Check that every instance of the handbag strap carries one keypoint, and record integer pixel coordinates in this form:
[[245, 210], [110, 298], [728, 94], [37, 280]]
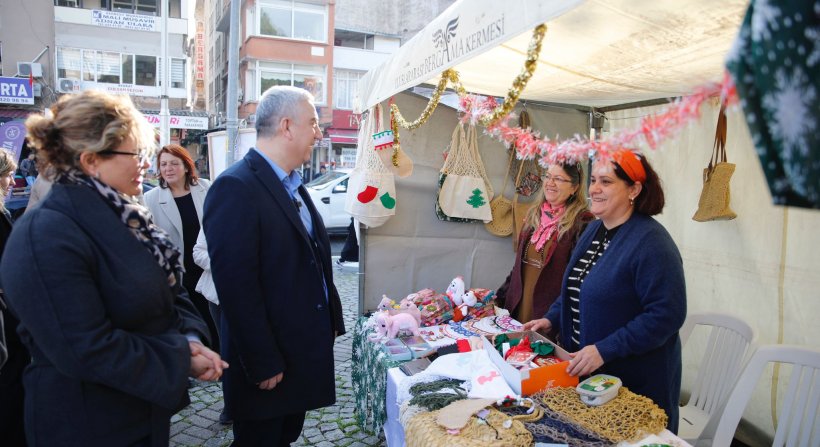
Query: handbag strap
[[507, 175], [517, 179], [478, 164], [719, 148]]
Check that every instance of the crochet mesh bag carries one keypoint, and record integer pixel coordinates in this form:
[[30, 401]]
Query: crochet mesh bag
[[628, 417]]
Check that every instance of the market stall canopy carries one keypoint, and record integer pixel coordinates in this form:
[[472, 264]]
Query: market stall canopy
[[596, 53]]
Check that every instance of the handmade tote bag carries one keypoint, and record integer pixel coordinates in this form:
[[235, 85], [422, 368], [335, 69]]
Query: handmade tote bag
[[714, 198], [465, 191], [371, 197]]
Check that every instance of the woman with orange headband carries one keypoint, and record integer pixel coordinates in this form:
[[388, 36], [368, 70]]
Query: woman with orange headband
[[623, 298]]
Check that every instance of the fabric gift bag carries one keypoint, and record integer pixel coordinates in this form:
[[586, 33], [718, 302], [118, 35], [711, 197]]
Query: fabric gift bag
[[371, 197], [465, 191], [714, 199]]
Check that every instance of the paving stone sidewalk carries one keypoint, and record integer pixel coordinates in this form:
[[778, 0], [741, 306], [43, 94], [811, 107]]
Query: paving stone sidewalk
[[335, 426]]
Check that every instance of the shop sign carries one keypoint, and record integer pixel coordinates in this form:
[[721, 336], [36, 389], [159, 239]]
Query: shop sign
[[348, 157], [16, 91], [199, 70], [450, 43], [111, 19], [180, 122]]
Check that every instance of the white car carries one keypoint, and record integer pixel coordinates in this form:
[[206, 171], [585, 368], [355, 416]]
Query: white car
[[328, 193]]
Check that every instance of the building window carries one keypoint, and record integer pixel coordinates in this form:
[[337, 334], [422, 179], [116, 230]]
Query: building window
[[177, 74], [143, 7], [293, 20], [111, 67], [146, 70], [69, 63], [309, 77], [345, 88]]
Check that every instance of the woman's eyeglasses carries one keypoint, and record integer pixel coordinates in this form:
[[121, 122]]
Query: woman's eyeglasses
[[141, 156], [546, 178]]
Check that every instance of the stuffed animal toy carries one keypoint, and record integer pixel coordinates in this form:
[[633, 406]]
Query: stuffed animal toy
[[455, 291], [469, 298], [388, 326], [407, 307], [386, 303]]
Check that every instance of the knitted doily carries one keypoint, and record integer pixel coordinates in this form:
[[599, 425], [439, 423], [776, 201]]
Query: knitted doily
[[495, 430], [628, 417]]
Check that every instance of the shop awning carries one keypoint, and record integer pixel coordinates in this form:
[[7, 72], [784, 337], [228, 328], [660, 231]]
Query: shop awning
[[14, 114], [343, 136], [595, 52], [179, 119]]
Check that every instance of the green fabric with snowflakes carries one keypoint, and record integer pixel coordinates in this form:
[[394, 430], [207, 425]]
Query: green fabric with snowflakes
[[774, 62], [369, 376]]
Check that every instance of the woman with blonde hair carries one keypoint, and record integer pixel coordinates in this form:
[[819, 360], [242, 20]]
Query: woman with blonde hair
[[551, 229], [96, 286], [13, 355]]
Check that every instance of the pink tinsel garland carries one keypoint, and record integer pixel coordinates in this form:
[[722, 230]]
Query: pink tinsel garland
[[654, 129]]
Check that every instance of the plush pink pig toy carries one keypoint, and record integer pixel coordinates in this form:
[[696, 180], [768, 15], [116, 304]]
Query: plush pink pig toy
[[388, 326]]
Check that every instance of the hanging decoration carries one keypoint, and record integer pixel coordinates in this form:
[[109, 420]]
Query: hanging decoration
[[450, 76], [653, 130]]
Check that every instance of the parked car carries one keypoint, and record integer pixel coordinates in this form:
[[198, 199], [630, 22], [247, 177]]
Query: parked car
[[328, 193]]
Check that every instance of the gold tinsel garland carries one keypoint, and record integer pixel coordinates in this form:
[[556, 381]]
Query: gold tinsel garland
[[451, 76]]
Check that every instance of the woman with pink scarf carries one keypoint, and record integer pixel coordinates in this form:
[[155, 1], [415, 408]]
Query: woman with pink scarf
[[551, 229]]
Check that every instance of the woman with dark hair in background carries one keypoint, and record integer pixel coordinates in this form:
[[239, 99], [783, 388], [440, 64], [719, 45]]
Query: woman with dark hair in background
[[96, 287], [623, 300], [12, 351], [177, 208], [551, 229]]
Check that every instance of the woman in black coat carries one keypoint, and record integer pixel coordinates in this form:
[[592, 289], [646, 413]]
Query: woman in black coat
[[95, 285], [13, 355]]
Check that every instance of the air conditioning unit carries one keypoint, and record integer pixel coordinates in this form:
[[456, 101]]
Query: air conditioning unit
[[30, 68], [68, 85]]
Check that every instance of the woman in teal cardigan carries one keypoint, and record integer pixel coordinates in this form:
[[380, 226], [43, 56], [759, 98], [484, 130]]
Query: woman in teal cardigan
[[623, 298]]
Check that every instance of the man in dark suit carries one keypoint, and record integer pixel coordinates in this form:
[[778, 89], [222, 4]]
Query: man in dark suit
[[270, 260]]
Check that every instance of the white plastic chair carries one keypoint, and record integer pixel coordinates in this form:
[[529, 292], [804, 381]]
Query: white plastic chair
[[726, 351], [797, 421]]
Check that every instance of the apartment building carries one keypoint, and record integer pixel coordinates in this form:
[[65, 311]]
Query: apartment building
[[324, 46]]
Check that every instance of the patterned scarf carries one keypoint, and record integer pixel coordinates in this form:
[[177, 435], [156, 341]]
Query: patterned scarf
[[550, 216], [136, 218]]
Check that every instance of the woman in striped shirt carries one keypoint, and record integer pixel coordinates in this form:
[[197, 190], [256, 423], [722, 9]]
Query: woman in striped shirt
[[623, 298]]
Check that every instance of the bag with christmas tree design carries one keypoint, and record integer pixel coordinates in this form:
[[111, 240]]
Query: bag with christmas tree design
[[465, 191], [371, 197]]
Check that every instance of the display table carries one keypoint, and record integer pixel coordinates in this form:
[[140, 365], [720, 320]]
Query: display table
[[394, 432], [370, 364]]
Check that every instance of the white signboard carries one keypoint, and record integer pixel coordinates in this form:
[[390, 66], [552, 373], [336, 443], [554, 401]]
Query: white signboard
[[181, 122], [218, 148], [348, 157], [111, 19]]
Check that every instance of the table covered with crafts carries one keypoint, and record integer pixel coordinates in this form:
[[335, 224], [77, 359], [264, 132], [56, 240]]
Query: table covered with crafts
[[370, 362]]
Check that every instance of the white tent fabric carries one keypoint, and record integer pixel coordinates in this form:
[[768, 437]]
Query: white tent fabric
[[603, 53], [595, 52]]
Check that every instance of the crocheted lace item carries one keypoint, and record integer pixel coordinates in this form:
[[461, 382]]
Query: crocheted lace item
[[555, 428], [494, 430], [628, 417]]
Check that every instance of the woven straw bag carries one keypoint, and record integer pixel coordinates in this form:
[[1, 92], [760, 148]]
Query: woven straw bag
[[501, 207], [715, 196]]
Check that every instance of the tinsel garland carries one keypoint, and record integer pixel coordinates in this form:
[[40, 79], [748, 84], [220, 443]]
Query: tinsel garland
[[451, 76], [653, 130]]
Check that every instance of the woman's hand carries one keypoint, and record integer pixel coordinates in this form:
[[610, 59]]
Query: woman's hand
[[585, 362], [541, 324], [205, 363]]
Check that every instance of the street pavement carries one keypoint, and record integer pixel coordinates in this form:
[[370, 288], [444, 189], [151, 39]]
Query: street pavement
[[335, 426]]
